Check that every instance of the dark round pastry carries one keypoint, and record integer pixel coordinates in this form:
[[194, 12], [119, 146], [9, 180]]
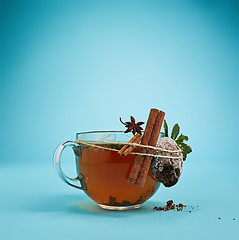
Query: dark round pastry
[[167, 170]]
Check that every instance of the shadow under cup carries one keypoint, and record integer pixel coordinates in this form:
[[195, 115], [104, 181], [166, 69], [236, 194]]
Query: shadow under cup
[[104, 173]]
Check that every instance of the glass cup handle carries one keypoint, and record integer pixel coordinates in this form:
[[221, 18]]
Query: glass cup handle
[[74, 182]]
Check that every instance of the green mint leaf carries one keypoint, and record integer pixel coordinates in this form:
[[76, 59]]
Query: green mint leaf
[[181, 138], [175, 131], [186, 149], [165, 125]]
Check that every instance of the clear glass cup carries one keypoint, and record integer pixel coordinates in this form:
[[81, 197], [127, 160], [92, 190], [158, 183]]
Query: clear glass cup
[[103, 174]]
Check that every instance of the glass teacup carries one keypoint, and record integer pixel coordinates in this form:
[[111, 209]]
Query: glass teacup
[[103, 173]]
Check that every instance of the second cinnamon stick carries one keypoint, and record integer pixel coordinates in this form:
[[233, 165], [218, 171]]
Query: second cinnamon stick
[[132, 140], [131, 148]]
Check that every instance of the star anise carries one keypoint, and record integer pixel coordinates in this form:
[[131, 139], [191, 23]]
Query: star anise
[[132, 126]]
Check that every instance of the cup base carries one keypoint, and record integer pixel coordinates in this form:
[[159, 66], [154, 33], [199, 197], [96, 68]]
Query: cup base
[[118, 208]]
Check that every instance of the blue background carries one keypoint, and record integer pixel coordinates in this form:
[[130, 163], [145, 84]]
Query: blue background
[[71, 66]]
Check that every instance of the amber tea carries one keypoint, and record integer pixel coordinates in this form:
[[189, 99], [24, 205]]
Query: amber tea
[[103, 171], [106, 177]]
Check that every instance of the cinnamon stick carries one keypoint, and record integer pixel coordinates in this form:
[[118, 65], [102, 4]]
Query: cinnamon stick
[[145, 141], [125, 147], [131, 148], [152, 142]]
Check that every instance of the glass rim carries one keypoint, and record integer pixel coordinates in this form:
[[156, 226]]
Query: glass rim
[[108, 131], [89, 132]]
